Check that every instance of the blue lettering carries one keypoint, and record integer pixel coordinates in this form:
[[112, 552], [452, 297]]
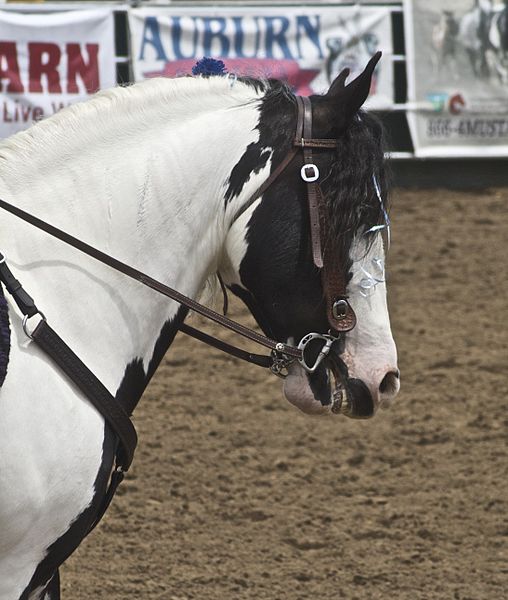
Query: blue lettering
[[277, 37], [152, 36], [312, 31], [240, 39], [217, 33], [176, 36]]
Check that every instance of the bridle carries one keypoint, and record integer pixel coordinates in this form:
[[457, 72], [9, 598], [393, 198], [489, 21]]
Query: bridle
[[340, 315]]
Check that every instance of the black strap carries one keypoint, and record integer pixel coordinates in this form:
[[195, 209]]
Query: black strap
[[313, 191], [24, 301], [112, 411], [258, 359]]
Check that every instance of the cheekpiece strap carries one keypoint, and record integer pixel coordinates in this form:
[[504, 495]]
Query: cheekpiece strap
[[340, 314], [310, 174]]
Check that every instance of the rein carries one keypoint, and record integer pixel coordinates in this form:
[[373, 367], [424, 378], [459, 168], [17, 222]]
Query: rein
[[341, 317]]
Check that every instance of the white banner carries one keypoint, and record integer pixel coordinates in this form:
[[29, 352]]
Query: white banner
[[48, 61], [457, 77], [305, 46]]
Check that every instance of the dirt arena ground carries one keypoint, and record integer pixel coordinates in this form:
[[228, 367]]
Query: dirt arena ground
[[235, 495]]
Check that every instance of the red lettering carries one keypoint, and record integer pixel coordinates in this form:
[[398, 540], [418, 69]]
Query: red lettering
[[9, 68], [89, 72], [37, 51]]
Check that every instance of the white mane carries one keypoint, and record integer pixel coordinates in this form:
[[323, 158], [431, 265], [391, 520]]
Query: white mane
[[119, 112]]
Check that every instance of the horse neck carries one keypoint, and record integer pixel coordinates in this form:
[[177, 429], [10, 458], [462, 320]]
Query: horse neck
[[153, 198]]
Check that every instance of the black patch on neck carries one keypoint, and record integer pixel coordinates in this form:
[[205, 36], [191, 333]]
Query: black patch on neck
[[277, 118], [135, 379]]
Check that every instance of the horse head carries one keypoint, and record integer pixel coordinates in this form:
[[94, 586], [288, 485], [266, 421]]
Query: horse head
[[268, 260]]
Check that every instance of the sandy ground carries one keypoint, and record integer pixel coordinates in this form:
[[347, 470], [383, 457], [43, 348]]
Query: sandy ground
[[234, 494]]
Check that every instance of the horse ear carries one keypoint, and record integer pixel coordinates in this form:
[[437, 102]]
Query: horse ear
[[342, 102], [339, 82]]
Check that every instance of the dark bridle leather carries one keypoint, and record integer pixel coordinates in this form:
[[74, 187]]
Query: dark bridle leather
[[341, 317]]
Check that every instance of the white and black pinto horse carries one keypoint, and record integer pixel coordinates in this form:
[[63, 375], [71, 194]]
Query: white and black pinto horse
[[154, 175]]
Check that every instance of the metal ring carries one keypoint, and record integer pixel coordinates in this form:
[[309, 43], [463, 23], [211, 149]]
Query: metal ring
[[25, 323], [309, 178], [325, 350]]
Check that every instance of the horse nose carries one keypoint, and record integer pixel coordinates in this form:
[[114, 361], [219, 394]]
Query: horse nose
[[389, 387]]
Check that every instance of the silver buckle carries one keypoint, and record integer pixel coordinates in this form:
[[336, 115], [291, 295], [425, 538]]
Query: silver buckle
[[26, 318], [325, 350], [309, 178], [339, 309]]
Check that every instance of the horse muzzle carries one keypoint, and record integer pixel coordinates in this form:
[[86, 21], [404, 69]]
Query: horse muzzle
[[325, 388]]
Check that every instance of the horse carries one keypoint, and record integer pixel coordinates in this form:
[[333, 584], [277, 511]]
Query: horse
[[444, 43], [159, 174]]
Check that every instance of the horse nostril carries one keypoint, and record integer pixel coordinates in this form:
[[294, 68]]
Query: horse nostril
[[390, 383]]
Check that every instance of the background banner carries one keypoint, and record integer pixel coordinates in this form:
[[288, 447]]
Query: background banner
[[307, 47], [48, 61], [457, 76]]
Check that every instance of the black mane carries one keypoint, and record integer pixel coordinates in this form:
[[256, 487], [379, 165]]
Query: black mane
[[348, 185]]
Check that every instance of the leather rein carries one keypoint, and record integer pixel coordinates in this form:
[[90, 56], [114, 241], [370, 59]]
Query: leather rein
[[341, 317]]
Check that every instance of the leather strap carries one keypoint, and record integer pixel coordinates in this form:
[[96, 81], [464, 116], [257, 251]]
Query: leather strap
[[262, 360], [315, 143], [112, 411], [334, 286], [24, 301], [305, 109], [332, 276]]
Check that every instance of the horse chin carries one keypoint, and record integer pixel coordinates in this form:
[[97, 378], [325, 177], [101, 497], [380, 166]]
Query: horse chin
[[328, 391]]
